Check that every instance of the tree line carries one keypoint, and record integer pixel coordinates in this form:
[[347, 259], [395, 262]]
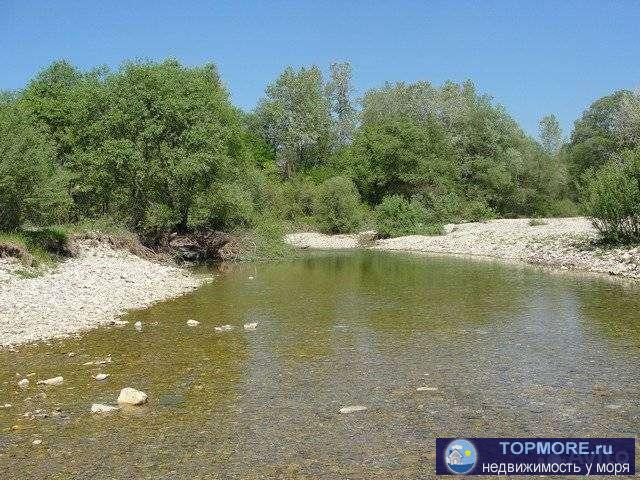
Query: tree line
[[159, 147]]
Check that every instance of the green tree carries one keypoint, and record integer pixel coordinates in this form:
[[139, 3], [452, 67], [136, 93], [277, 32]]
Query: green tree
[[550, 134], [340, 91], [397, 156], [32, 186], [295, 119]]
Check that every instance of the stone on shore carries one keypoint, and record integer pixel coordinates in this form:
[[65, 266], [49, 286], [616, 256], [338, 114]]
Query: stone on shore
[[192, 323], [52, 382], [131, 396], [353, 409], [102, 408]]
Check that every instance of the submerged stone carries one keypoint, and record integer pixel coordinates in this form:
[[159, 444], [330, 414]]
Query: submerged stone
[[427, 389], [52, 382], [353, 409], [101, 408], [192, 323]]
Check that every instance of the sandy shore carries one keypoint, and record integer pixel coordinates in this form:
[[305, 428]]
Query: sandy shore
[[92, 289], [561, 243]]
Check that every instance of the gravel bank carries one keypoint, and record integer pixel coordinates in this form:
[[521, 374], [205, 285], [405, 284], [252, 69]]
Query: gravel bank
[[84, 292], [562, 243]]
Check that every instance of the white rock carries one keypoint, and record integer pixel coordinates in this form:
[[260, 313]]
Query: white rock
[[250, 277], [101, 376], [192, 323], [37, 441], [223, 328], [55, 381], [427, 389], [353, 409], [250, 326], [6, 405], [24, 383], [101, 408], [131, 396], [138, 326]]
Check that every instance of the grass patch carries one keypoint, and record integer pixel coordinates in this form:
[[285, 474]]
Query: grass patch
[[26, 249]]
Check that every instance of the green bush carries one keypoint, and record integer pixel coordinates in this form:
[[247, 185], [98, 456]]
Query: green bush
[[477, 211], [397, 217], [337, 206], [299, 198], [226, 207], [612, 199]]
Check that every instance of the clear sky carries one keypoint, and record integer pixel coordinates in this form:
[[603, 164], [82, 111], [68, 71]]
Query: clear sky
[[534, 57]]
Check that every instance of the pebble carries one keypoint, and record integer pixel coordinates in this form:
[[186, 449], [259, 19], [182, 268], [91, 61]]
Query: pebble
[[223, 328], [131, 396], [427, 389], [353, 409], [24, 383], [55, 381], [37, 441], [101, 376], [52, 305], [102, 408], [138, 326], [192, 323], [250, 326]]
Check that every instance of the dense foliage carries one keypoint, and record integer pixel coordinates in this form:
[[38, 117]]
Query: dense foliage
[[604, 153], [159, 147]]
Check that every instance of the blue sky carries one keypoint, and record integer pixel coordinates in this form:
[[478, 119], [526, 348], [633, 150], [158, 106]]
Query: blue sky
[[533, 57]]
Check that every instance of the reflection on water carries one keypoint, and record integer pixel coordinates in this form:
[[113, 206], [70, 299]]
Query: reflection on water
[[512, 352]]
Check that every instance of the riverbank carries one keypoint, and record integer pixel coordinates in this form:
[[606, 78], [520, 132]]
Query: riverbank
[[92, 289], [560, 243]]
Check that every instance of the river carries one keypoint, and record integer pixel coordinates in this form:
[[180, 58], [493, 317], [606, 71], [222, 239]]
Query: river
[[504, 351]]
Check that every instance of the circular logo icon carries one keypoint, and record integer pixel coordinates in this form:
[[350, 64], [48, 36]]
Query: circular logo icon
[[460, 456]]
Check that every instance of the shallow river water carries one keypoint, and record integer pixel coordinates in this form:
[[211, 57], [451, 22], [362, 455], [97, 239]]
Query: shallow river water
[[512, 351]]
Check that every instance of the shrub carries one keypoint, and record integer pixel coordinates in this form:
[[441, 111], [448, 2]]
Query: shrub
[[396, 217], [225, 207], [337, 206], [612, 199], [299, 198], [477, 211], [562, 208]]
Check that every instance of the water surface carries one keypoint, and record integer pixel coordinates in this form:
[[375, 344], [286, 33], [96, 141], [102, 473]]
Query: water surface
[[512, 352]]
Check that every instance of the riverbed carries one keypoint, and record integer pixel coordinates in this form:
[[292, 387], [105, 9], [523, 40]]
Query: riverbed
[[495, 349]]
